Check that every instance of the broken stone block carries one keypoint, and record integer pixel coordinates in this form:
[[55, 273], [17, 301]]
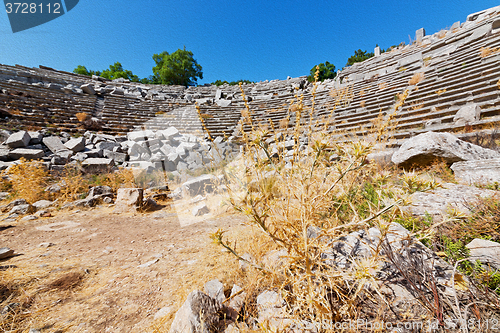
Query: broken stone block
[[128, 200], [18, 140], [486, 251], [199, 185], [35, 137], [426, 148], [117, 157], [467, 114], [29, 154], [481, 172], [54, 143], [76, 145], [97, 165], [140, 135], [88, 88], [200, 210]]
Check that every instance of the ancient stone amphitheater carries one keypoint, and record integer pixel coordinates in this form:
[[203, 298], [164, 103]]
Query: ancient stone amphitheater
[[452, 79]]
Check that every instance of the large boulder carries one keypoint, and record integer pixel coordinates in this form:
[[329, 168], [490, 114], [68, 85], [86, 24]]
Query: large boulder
[[426, 148], [198, 314]]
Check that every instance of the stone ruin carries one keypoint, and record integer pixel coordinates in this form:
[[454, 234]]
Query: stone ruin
[[457, 90], [449, 80]]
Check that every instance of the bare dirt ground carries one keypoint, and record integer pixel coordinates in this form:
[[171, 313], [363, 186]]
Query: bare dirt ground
[[95, 271]]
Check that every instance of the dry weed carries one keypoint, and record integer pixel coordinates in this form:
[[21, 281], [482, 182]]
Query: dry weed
[[82, 116], [29, 179], [382, 85], [416, 78], [362, 104], [487, 51], [342, 96], [440, 92]]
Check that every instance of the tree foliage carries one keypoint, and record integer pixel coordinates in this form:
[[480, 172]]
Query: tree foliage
[[117, 71], [84, 71], [232, 83], [326, 71], [178, 68], [114, 72], [359, 56]]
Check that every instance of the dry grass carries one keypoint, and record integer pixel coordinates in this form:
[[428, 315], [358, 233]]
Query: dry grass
[[440, 92], [416, 105], [487, 51], [28, 180], [416, 79], [382, 85], [441, 34], [285, 194], [82, 116], [362, 104], [361, 92], [343, 96]]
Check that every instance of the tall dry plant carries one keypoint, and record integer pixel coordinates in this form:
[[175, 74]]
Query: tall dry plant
[[320, 186], [28, 179]]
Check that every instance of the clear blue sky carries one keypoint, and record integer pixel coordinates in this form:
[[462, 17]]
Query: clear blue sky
[[232, 40]]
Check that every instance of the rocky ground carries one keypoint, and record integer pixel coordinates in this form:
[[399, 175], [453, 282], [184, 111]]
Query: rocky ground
[[94, 271]]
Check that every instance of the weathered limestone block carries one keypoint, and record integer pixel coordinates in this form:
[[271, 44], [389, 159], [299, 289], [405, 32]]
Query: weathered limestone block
[[140, 135], [451, 196], [35, 137], [128, 200], [97, 165], [485, 251], [18, 140], [29, 154], [54, 143], [76, 145], [427, 147], [199, 185], [467, 114], [482, 172], [88, 88]]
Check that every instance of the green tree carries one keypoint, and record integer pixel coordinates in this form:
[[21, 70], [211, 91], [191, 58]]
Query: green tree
[[178, 68], [116, 71], [326, 71], [232, 83], [359, 56], [84, 71]]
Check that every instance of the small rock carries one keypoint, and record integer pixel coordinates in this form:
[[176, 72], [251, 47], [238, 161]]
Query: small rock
[[485, 251], [45, 245], [29, 218], [215, 289], [163, 312], [5, 253], [200, 210], [149, 263]]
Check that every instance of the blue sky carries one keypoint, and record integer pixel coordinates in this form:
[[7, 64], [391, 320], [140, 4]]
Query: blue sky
[[232, 40]]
